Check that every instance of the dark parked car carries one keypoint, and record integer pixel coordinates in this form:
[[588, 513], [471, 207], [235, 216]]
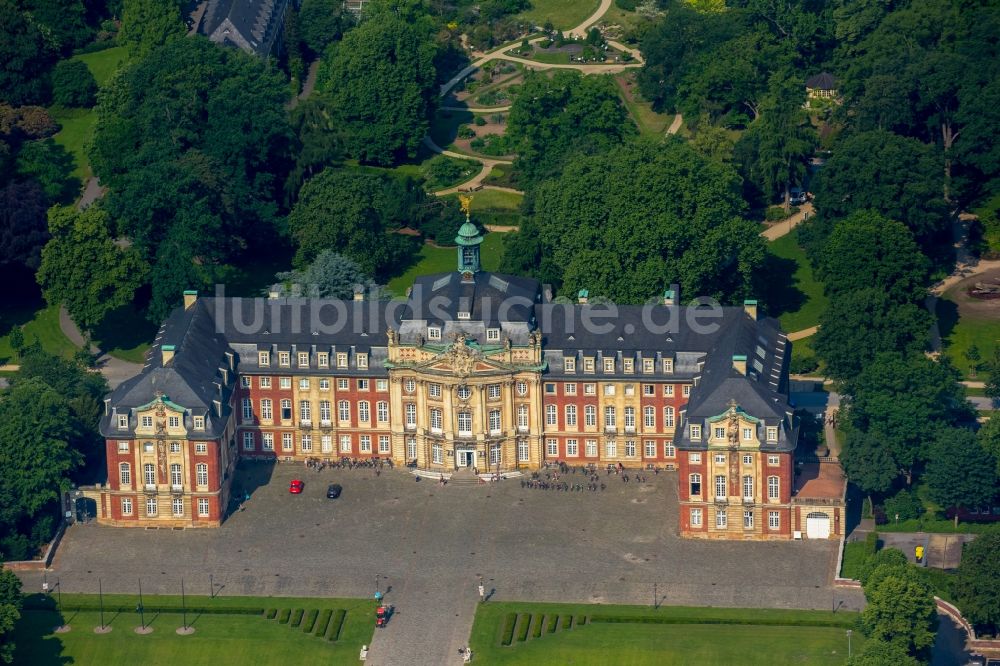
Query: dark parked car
[[796, 196], [333, 491]]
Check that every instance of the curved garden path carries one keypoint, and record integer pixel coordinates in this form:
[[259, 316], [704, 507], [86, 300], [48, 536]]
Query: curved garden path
[[115, 370], [581, 30]]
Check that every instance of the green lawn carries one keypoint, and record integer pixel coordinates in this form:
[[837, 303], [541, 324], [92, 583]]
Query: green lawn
[[443, 259], [961, 326], [668, 635], [649, 122], [564, 14], [103, 64], [494, 200], [42, 325], [854, 557], [795, 296], [549, 58], [219, 639], [987, 214]]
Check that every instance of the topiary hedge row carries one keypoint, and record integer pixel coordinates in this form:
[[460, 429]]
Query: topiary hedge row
[[847, 621], [323, 622], [283, 616], [507, 634], [337, 624], [296, 617], [310, 621], [523, 622]]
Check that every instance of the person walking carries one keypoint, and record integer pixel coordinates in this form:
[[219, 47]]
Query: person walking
[[482, 592]]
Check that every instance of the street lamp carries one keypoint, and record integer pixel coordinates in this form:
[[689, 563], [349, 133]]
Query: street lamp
[[849, 632]]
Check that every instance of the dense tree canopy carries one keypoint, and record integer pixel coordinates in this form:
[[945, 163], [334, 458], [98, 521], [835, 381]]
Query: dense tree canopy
[[23, 227], [901, 611], [24, 58], [330, 275], [149, 24], [381, 81], [627, 223], [84, 270], [73, 84], [50, 165], [881, 653], [10, 611], [960, 471], [322, 22], [977, 586]]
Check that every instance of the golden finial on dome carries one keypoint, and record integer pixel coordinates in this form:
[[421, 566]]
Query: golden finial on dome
[[466, 201]]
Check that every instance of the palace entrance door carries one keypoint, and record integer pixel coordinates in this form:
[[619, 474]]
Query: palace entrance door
[[465, 458]]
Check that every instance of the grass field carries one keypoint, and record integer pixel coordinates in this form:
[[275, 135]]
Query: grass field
[[42, 325], [490, 200], [961, 326], [564, 14], [568, 634], [103, 64], [649, 122], [443, 259], [795, 297], [219, 639]]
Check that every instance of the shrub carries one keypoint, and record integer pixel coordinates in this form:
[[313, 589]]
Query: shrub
[[73, 84], [803, 365], [323, 623], [523, 622], [465, 132], [310, 621], [536, 627], [580, 620], [566, 622], [550, 623], [271, 612], [296, 617], [905, 505], [625, 5], [477, 143], [871, 544], [480, 121], [336, 624], [777, 213], [507, 634], [283, 616]]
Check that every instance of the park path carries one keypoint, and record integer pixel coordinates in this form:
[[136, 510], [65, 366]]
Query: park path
[[785, 226], [676, 125], [476, 181], [581, 30], [477, 109], [115, 370]]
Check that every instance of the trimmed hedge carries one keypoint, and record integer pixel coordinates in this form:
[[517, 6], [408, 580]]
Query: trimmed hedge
[[523, 621], [296, 617], [565, 622], [310, 621], [323, 622], [536, 626], [847, 622], [507, 634], [580, 620], [283, 615], [871, 544], [550, 623], [337, 624], [271, 613], [30, 605]]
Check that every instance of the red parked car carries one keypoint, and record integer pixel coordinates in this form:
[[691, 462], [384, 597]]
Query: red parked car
[[295, 487]]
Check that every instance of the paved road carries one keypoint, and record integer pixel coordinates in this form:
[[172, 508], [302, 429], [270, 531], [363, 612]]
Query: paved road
[[431, 544]]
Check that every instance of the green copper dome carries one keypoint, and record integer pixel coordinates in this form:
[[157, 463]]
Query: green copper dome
[[468, 234]]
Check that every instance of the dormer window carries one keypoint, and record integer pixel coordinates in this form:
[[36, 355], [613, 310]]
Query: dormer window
[[647, 365], [569, 364], [323, 359], [263, 358], [362, 360], [123, 421], [588, 365], [772, 433], [341, 359], [173, 421], [199, 423], [147, 421], [695, 432], [284, 359], [609, 365], [668, 365], [628, 365], [493, 335], [465, 315], [433, 333], [303, 359]]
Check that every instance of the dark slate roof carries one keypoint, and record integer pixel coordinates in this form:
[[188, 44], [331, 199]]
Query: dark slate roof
[[491, 298], [258, 21], [287, 321], [822, 81]]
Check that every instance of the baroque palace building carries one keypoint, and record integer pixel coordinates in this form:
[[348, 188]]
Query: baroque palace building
[[473, 370]]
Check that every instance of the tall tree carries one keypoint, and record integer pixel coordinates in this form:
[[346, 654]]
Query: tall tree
[[10, 611], [961, 473], [867, 250], [882, 653], [62, 22], [322, 22], [24, 58], [23, 229], [48, 163], [150, 24], [330, 275], [381, 81], [977, 585], [989, 439], [901, 611], [84, 270], [869, 465]]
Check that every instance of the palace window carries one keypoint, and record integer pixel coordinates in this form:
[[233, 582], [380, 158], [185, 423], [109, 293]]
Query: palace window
[[123, 446], [772, 460], [748, 487], [773, 520], [550, 389], [345, 443], [433, 333], [361, 360], [522, 417], [668, 417], [175, 447], [126, 506], [569, 389], [199, 422], [284, 359], [173, 421], [267, 441], [203, 507], [245, 381], [341, 359], [362, 384], [342, 384], [465, 424], [464, 392], [436, 420], [437, 454], [323, 359], [149, 474], [266, 412], [630, 448], [177, 505], [284, 382], [590, 415], [628, 365], [382, 411], [325, 443], [695, 431], [364, 411], [147, 447], [411, 447], [647, 365], [410, 411], [719, 458], [151, 507], [263, 359], [201, 474], [304, 383], [383, 444], [772, 434], [493, 391], [123, 421], [747, 434], [590, 389], [648, 390], [572, 449], [748, 460], [721, 519], [493, 335], [303, 359], [175, 474], [495, 454], [551, 419], [570, 415], [668, 365], [630, 418], [720, 486], [434, 390], [125, 474], [306, 443], [591, 449], [588, 365], [521, 387], [748, 519], [609, 389], [695, 517], [494, 419], [650, 448], [611, 448], [201, 448], [694, 458], [305, 411], [686, 390], [248, 441], [772, 488], [286, 410], [247, 409], [569, 364], [551, 448], [265, 382], [610, 419], [522, 451], [668, 450], [719, 433], [343, 411], [609, 365], [668, 390], [324, 411], [365, 443], [147, 421], [381, 384], [409, 385]]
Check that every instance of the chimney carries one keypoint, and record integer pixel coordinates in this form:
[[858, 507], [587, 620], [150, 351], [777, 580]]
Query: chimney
[[190, 297], [582, 297], [740, 363], [750, 307], [274, 291], [167, 352], [359, 292], [668, 297]]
